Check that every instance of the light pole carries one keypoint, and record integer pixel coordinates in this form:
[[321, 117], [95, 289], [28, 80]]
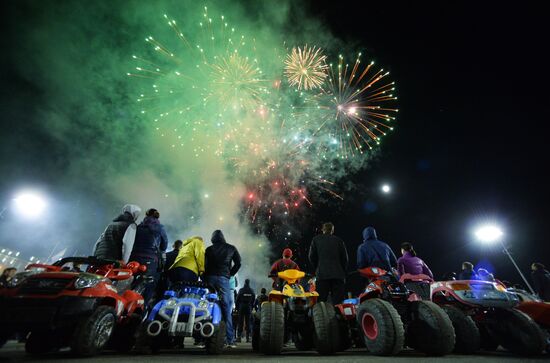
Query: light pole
[[490, 234]]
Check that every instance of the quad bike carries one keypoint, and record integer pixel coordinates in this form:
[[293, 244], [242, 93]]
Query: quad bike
[[387, 316], [537, 309], [295, 313], [62, 306], [484, 315], [188, 309]]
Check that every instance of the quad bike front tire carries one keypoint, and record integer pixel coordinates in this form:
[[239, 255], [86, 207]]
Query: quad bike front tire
[[430, 330], [381, 327], [93, 333], [272, 328], [40, 342], [256, 332], [214, 344], [468, 340], [518, 333], [326, 329]]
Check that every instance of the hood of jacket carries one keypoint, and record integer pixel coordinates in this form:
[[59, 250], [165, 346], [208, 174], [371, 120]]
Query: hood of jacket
[[217, 237], [124, 217], [369, 233], [133, 210]]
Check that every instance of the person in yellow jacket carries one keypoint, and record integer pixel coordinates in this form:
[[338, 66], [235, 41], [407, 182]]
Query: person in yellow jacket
[[189, 263]]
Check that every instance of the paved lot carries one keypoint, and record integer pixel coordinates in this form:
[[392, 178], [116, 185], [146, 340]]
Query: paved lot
[[13, 352]]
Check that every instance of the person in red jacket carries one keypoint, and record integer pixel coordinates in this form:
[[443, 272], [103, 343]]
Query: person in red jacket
[[282, 264]]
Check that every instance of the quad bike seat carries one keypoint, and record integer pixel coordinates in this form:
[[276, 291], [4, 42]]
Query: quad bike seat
[[291, 276]]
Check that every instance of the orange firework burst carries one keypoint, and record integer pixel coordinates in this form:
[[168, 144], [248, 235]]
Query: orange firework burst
[[306, 68]]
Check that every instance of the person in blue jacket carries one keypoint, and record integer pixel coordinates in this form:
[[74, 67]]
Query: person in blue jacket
[[150, 244], [375, 253]]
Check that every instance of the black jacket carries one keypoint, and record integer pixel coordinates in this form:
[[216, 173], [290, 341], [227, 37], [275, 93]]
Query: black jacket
[[329, 256], [541, 282], [109, 244], [170, 258], [245, 298], [219, 256]]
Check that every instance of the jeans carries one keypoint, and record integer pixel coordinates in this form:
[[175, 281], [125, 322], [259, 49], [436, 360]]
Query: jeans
[[221, 283], [152, 270], [335, 287]]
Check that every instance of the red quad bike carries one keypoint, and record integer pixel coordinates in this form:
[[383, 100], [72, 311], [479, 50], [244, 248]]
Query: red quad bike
[[60, 305], [484, 316], [388, 316]]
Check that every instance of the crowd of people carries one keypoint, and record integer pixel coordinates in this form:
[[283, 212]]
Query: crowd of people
[[217, 265]]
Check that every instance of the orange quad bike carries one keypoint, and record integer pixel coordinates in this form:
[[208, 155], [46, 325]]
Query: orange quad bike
[[388, 316], [81, 302], [486, 315], [295, 313]]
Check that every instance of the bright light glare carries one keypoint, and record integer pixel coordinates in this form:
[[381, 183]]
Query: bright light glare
[[29, 205], [386, 188], [488, 233]]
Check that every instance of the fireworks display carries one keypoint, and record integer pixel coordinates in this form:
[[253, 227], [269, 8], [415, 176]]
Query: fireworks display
[[287, 141], [306, 68]]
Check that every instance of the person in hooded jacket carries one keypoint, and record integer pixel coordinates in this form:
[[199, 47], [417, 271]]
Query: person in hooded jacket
[[375, 253], [222, 261], [150, 243], [245, 303], [110, 245], [189, 263], [409, 263]]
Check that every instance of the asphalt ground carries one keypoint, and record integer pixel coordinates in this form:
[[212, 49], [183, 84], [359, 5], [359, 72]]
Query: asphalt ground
[[15, 352]]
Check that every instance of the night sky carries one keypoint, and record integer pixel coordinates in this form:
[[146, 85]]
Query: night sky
[[469, 147]]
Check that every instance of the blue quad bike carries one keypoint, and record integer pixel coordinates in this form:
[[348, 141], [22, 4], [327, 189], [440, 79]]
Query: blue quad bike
[[187, 310]]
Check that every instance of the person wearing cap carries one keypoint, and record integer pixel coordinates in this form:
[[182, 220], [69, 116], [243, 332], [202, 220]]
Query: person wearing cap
[[329, 257], [280, 265], [115, 243]]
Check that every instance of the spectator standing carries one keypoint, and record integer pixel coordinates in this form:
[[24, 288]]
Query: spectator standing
[[115, 243], [222, 262], [189, 263], [541, 280], [245, 303], [150, 243], [329, 257]]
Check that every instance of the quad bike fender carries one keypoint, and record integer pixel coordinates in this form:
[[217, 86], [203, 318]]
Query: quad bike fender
[[135, 302], [276, 296], [371, 291]]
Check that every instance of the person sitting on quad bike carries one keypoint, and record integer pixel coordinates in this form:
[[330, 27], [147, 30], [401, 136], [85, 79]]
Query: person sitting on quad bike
[[409, 263], [281, 265], [375, 253], [189, 263], [468, 272]]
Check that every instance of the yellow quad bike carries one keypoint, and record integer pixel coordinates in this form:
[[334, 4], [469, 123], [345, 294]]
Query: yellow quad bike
[[295, 313]]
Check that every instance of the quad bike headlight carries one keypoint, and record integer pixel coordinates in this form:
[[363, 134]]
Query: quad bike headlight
[[171, 303], [85, 281]]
